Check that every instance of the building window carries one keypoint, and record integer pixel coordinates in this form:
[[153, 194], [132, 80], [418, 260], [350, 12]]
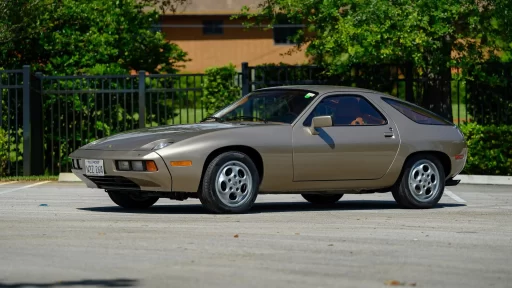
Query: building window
[[157, 27], [284, 30], [212, 27]]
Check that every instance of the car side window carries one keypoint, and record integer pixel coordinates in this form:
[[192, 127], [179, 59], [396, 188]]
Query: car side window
[[416, 113], [347, 110]]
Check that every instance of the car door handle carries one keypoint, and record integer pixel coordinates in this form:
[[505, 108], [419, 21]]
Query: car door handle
[[388, 134]]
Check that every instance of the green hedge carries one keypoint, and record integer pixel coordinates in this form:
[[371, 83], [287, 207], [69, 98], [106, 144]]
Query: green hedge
[[220, 88], [490, 149]]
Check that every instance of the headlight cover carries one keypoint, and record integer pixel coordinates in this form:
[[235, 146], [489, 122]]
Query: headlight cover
[[161, 145]]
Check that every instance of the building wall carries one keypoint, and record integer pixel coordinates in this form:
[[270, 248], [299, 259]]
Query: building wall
[[235, 45]]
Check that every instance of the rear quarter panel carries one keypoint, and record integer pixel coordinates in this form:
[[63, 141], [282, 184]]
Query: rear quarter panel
[[272, 142], [417, 137]]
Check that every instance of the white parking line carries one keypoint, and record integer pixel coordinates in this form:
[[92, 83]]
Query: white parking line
[[6, 183], [23, 187], [453, 196]]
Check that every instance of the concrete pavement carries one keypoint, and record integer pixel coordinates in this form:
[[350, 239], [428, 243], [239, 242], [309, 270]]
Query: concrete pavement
[[63, 235]]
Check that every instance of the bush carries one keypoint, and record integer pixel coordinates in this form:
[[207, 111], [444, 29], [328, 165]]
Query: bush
[[219, 88], [490, 149]]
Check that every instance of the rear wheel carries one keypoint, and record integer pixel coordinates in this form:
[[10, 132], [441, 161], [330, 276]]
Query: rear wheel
[[322, 199], [230, 184], [132, 200], [422, 182]]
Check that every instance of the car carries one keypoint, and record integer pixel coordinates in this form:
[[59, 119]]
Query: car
[[315, 140]]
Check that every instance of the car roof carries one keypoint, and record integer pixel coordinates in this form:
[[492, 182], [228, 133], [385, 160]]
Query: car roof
[[327, 88]]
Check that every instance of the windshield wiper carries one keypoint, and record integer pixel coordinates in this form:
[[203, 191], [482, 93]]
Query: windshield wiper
[[242, 117], [217, 119]]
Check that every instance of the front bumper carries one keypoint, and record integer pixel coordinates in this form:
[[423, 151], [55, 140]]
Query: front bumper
[[160, 180]]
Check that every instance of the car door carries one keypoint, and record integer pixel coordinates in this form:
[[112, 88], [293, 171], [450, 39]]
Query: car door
[[361, 144]]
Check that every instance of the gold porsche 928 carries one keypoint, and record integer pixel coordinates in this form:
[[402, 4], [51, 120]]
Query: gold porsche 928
[[317, 141]]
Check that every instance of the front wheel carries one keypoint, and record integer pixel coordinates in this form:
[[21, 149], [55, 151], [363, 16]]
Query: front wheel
[[230, 184], [422, 183], [132, 201], [322, 199]]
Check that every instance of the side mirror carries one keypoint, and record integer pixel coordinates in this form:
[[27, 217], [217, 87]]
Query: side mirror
[[319, 122]]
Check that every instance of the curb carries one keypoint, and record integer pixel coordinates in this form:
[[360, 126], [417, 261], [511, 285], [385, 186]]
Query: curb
[[464, 179], [68, 177], [484, 179]]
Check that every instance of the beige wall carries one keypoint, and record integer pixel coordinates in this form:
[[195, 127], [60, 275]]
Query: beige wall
[[235, 45]]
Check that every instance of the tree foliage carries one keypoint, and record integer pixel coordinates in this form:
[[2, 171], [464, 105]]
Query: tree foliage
[[219, 88], [86, 36], [14, 13], [433, 36], [98, 37]]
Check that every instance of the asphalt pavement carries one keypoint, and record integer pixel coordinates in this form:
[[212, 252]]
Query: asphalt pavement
[[64, 235]]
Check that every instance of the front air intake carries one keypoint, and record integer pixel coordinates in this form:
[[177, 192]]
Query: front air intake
[[113, 182]]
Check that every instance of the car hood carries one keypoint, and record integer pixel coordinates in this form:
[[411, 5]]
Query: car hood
[[147, 138]]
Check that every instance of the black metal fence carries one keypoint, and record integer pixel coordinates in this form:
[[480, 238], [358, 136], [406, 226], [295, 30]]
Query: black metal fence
[[11, 123], [80, 109], [44, 118], [484, 101]]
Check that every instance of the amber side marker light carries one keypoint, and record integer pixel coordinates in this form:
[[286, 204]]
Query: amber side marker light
[[181, 163], [151, 166]]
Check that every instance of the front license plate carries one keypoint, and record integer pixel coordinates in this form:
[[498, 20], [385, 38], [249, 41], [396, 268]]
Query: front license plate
[[94, 168]]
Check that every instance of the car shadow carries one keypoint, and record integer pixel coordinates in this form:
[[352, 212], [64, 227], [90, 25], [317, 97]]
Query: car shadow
[[269, 207], [95, 283], [326, 137]]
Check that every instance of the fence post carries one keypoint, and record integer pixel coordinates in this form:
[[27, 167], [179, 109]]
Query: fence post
[[37, 126], [27, 129], [245, 78], [142, 99]]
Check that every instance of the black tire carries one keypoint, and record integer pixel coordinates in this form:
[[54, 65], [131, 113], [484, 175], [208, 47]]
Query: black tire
[[398, 201], [321, 199], [405, 196], [209, 194], [130, 201]]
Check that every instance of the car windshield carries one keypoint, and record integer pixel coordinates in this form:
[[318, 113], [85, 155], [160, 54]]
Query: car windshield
[[278, 105]]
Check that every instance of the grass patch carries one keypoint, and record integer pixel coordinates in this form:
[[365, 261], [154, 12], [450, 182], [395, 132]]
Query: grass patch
[[28, 178], [460, 113]]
